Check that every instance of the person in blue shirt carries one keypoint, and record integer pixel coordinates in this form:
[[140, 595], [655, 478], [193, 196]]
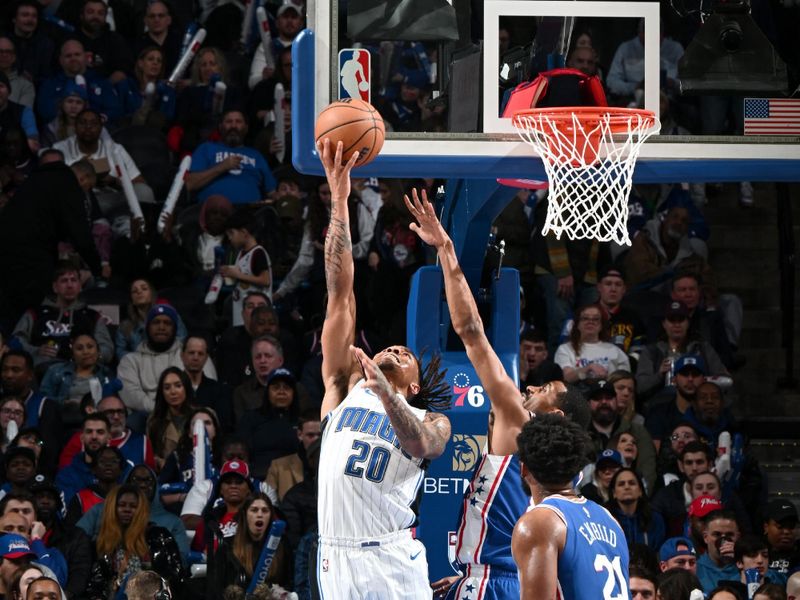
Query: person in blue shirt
[[159, 108], [718, 564], [566, 546], [101, 94], [78, 474], [228, 167], [752, 552]]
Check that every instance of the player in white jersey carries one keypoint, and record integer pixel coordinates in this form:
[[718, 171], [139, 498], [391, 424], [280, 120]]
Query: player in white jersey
[[495, 499], [377, 437]]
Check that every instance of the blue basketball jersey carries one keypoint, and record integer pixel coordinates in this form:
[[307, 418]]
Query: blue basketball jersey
[[594, 563]]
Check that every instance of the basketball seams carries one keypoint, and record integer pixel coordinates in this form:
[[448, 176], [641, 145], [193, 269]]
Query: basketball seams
[[346, 121]]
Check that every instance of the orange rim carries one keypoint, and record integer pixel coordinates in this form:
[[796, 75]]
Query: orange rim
[[618, 118]]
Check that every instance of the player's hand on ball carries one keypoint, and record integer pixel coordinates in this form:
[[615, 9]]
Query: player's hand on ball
[[338, 174], [428, 227], [375, 379]]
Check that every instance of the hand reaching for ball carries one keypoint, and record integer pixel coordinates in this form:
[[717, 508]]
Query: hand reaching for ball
[[338, 174]]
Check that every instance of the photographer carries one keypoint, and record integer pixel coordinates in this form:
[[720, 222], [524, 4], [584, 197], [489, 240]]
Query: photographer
[[720, 536]]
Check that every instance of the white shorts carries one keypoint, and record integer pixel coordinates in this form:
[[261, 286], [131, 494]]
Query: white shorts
[[392, 567]]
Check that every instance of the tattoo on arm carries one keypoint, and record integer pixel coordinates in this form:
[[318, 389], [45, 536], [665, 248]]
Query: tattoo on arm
[[422, 439], [337, 244]]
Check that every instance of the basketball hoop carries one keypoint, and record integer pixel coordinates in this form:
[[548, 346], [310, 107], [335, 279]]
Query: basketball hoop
[[589, 153]]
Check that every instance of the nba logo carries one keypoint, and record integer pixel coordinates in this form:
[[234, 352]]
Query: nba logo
[[354, 74]]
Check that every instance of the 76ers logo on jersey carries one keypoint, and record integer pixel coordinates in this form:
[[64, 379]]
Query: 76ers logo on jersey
[[354, 74], [463, 390], [467, 451]]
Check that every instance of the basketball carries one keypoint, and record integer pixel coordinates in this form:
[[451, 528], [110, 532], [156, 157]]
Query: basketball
[[356, 124]]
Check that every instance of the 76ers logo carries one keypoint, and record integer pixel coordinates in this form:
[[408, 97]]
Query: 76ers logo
[[462, 389]]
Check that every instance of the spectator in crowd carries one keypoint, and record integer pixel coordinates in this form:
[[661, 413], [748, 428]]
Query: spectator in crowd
[[287, 471], [19, 514], [228, 167], [71, 102], [16, 111], [751, 552], [677, 584], [535, 368], [22, 580], [793, 586], [207, 392], [131, 330], [20, 469], [642, 583], [45, 331], [179, 470], [16, 555], [235, 560], [678, 553], [110, 54], [673, 500], [630, 507], [156, 108], [78, 474], [34, 48], [626, 330], [11, 409], [583, 58], [159, 33], [270, 429], [235, 344], [779, 527], [288, 24], [128, 543], [44, 587], [608, 463], [107, 470], [588, 355], [73, 61], [718, 563], [174, 404], [658, 361], [71, 541], [698, 509], [708, 414], [142, 477], [770, 591], [252, 268], [266, 356], [625, 387], [105, 155], [689, 373], [46, 209], [147, 585], [29, 437], [681, 434], [68, 382], [17, 375], [606, 424], [140, 371]]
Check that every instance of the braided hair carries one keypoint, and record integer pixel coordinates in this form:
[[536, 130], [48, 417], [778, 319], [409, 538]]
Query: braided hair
[[434, 392]]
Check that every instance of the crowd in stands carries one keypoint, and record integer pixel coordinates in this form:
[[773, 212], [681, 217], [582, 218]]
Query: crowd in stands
[[120, 332]]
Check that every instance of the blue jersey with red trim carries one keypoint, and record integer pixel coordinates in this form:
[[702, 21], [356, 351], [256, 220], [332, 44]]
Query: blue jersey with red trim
[[492, 505], [594, 562]]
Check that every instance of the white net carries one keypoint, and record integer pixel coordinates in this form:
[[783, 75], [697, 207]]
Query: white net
[[589, 165]]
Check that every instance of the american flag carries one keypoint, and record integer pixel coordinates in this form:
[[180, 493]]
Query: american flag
[[772, 116]]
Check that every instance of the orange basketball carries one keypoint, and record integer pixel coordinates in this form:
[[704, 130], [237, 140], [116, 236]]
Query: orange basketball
[[356, 124]]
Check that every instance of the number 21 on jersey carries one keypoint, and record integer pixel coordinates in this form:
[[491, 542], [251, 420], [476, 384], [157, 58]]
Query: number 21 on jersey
[[615, 579]]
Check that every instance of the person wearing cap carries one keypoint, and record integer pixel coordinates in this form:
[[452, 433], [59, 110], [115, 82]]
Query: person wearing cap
[[72, 100], [140, 370], [288, 24], [626, 330], [606, 424], [15, 553], [780, 523], [665, 416], [718, 563], [270, 430], [599, 476], [71, 541], [20, 469], [657, 361], [44, 331], [17, 116], [677, 553], [22, 90]]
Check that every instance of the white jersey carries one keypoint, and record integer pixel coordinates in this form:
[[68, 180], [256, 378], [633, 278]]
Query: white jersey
[[368, 486], [244, 262]]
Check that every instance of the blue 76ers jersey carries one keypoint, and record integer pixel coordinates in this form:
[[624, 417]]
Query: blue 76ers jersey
[[595, 556]]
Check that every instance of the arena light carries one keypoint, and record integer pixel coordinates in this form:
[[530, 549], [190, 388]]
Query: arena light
[[731, 55]]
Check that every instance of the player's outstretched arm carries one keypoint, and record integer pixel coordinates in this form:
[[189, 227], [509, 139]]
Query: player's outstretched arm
[[535, 544], [506, 400], [340, 318], [421, 439]]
